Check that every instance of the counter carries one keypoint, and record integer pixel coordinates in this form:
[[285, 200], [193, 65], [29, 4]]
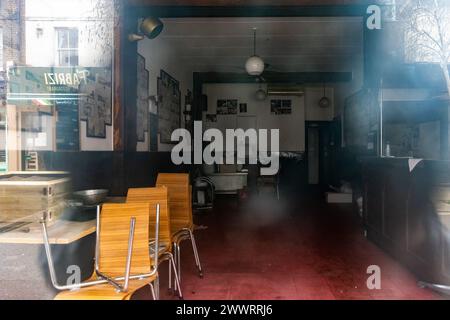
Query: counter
[[406, 212]]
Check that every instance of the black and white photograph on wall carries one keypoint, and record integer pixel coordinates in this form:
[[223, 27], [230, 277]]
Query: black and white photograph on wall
[[211, 118], [222, 106], [279, 106], [225, 107], [242, 108]]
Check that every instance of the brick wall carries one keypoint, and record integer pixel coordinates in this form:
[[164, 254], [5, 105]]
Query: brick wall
[[11, 22]]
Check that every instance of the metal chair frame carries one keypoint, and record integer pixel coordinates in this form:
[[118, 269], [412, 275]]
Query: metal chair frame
[[104, 278]]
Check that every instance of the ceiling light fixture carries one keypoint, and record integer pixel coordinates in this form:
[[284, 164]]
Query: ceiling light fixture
[[254, 65], [324, 102], [261, 94]]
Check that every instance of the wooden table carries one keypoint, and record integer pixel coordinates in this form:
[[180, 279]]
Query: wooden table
[[24, 272], [61, 232]]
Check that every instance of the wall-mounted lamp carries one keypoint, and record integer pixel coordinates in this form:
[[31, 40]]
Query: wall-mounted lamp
[[39, 32], [150, 27]]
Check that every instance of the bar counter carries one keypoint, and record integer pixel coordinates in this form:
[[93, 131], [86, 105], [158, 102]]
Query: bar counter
[[406, 211]]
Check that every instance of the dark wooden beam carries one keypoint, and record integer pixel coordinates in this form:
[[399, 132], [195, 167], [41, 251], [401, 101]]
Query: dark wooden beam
[[275, 77], [227, 3], [118, 110], [129, 82], [248, 11]]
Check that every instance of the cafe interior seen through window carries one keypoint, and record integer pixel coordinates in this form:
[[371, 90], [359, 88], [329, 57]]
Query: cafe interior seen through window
[[274, 138]]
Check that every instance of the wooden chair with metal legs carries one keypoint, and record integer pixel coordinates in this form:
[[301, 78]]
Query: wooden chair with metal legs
[[181, 222], [155, 196], [123, 263]]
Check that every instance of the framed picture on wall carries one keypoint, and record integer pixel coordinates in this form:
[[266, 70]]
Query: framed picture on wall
[[153, 131], [211, 118], [227, 106], [169, 109], [142, 103], [95, 107], [280, 107], [222, 106]]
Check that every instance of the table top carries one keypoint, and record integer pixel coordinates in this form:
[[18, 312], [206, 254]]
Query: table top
[[61, 232]]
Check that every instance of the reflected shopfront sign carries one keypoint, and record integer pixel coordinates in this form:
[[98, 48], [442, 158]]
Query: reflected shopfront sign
[[70, 95]]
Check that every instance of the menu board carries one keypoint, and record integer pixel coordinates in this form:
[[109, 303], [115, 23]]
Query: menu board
[[67, 128]]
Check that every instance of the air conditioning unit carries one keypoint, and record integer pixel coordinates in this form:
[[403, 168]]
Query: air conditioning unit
[[285, 90]]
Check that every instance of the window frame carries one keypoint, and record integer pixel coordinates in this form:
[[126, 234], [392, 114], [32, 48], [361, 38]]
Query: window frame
[[68, 48]]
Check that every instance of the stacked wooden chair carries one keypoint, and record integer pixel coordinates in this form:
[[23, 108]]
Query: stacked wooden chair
[[181, 222], [123, 264], [154, 197]]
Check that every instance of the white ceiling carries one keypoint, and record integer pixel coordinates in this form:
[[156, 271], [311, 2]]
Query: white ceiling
[[287, 44]]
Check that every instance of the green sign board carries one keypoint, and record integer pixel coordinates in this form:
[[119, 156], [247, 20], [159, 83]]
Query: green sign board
[[74, 93]]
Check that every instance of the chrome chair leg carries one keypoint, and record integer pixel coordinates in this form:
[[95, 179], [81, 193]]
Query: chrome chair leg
[[194, 249], [177, 282], [170, 274], [436, 287], [179, 262], [176, 268], [152, 290], [157, 288]]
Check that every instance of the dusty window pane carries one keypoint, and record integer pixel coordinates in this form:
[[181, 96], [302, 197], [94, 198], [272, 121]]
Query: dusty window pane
[[63, 38]]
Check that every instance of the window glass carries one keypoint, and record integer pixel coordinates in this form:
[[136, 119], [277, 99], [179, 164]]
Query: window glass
[[57, 57]]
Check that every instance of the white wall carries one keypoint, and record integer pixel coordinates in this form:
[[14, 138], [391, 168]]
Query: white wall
[[291, 126], [159, 56], [95, 30], [95, 49]]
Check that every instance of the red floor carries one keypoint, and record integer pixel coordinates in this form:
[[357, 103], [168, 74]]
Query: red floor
[[264, 249]]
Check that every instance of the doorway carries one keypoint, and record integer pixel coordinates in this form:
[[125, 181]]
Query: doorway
[[319, 145]]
